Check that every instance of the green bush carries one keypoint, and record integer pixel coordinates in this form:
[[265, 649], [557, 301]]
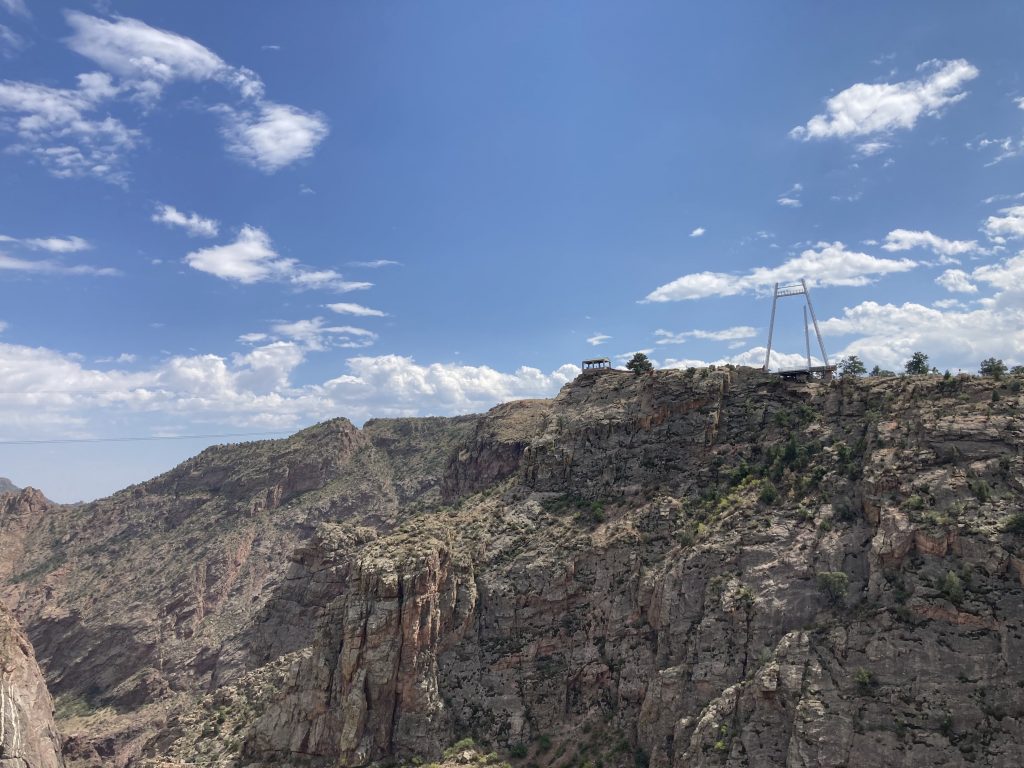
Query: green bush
[[769, 493], [864, 679], [834, 584], [952, 587], [518, 751], [1015, 524]]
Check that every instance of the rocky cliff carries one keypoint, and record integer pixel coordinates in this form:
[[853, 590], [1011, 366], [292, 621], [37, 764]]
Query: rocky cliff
[[28, 737], [705, 567]]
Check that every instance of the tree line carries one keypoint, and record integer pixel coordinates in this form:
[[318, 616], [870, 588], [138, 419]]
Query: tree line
[[918, 365]]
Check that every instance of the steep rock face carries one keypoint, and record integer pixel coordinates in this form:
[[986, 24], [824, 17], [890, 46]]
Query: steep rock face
[[689, 568], [154, 595], [28, 737]]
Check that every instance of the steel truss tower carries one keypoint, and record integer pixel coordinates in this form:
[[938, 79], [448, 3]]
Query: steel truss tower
[[797, 289]]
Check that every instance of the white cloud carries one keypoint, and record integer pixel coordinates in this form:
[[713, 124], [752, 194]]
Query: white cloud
[[57, 128], [50, 267], [598, 339], [53, 127], [272, 136], [71, 244], [148, 59], [50, 393], [375, 264], [872, 148], [905, 240], [889, 334], [1007, 276], [726, 334], [830, 264], [251, 258], [1007, 148], [698, 232], [1007, 227], [327, 280], [867, 108], [252, 338], [956, 281], [3, 326], [316, 335], [791, 197], [193, 223], [345, 308]]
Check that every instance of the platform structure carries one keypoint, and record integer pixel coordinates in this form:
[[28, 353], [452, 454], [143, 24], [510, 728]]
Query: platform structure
[[597, 364], [824, 371]]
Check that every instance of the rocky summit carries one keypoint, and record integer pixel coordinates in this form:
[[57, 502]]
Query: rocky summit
[[706, 567]]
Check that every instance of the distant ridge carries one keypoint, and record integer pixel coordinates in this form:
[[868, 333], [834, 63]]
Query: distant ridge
[[6, 486]]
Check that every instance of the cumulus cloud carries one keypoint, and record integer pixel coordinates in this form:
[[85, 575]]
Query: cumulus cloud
[[827, 264], [597, 339], [194, 224], [956, 281], [905, 240], [868, 108], [345, 308], [1009, 226], [889, 333], [273, 135], [251, 258], [49, 392], [698, 232], [735, 333]]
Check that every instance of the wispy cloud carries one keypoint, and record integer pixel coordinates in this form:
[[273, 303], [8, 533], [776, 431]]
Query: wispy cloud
[[71, 244], [791, 197], [345, 308], [736, 333], [698, 232], [868, 108], [377, 264], [597, 339]]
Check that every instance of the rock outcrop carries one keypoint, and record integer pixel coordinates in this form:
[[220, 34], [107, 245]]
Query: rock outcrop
[[28, 737], [689, 568]]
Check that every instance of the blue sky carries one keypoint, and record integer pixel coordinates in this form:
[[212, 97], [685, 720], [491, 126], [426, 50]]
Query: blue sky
[[248, 220]]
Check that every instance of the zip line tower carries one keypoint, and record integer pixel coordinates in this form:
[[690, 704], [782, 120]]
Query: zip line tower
[[799, 289]]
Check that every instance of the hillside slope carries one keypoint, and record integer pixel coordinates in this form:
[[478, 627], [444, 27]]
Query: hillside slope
[[689, 568]]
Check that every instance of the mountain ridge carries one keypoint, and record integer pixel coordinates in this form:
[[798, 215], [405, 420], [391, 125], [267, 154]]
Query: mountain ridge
[[708, 567]]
